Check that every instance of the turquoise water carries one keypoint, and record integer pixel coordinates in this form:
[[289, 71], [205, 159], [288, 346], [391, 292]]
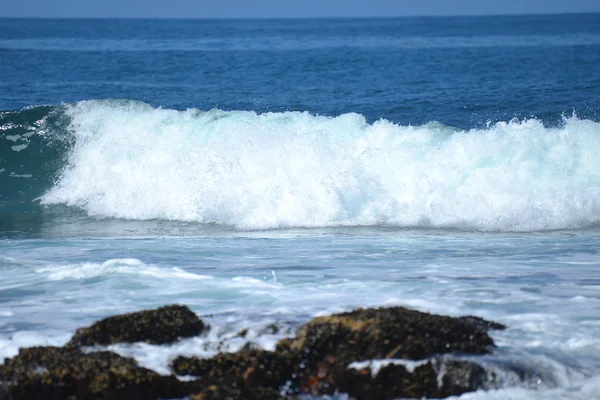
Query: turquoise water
[[270, 171]]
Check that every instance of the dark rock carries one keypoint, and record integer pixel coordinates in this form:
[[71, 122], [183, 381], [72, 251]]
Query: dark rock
[[249, 374], [271, 329], [67, 373], [261, 374], [215, 392], [250, 368], [382, 333], [162, 325], [329, 344], [242, 333], [482, 323], [315, 362], [458, 377], [439, 378], [391, 382]]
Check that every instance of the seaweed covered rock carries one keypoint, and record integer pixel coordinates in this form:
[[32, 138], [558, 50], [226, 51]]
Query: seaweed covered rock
[[394, 332], [67, 373], [162, 325]]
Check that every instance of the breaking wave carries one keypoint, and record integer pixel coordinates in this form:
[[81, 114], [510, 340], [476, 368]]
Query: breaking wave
[[125, 159]]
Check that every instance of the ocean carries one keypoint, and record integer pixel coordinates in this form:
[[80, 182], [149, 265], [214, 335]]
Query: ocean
[[268, 171]]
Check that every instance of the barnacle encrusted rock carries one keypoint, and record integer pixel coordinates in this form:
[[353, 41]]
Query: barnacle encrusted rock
[[162, 325], [392, 381], [394, 332], [68, 373], [249, 369], [316, 361], [214, 392], [438, 378]]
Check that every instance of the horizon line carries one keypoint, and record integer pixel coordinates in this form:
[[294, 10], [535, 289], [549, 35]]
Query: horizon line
[[182, 18]]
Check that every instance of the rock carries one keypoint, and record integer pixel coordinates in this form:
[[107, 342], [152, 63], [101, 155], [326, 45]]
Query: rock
[[439, 378], [329, 344], [66, 373], [271, 329], [392, 381], [383, 333], [162, 325], [316, 361], [482, 323], [458, 376], [249, 369], [259, 374], [215, 392], [249, 374]]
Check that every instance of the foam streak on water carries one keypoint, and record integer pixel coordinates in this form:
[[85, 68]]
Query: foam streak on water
[[279, 170]]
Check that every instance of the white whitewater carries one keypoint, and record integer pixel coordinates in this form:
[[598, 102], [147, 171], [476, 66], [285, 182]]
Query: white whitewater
[[293, 169]]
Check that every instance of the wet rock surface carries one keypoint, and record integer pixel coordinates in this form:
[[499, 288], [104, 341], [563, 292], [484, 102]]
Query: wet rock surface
[[482, 323], [252, 368], [215, 392], [162, 325], [438, 378], [68, 373], [249, 371], [391, 382], [315, 362], [394, 332], [457, 376]]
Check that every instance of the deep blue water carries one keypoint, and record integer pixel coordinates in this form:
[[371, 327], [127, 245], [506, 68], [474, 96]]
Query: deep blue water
[[459, 71], [267, 171]]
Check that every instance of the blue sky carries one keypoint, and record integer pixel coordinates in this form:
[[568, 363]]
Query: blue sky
[[284, 8]]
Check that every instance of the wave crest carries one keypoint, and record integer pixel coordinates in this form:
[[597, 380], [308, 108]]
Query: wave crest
[[294, 169]]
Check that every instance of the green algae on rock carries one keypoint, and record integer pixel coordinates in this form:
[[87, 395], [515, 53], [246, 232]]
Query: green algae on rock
[[159, 326]]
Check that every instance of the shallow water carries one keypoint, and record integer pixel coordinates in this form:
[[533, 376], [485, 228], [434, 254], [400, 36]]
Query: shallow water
[[540, 285]]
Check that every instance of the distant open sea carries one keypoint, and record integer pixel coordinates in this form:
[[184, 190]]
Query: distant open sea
[[268, 171]]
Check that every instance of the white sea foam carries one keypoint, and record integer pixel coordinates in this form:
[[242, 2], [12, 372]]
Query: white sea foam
[[219, 339], [115, 266], [9, 347], [377, 365], [276, 170], [588, 390], [19, 147]]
